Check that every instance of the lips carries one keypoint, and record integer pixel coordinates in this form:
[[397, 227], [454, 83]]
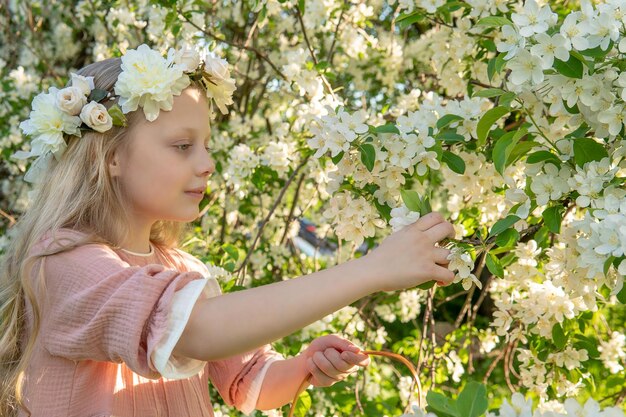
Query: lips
[[196, 192]]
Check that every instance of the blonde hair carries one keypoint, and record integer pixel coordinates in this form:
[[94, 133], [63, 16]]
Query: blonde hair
[[79, 194]]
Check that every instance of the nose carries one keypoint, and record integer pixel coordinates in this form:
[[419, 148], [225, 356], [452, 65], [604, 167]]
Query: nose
[[207, 164]]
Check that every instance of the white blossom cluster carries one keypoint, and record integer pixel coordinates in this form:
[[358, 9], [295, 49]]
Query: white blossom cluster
[[462, 264], [241, 164], [354, 218], [518, 406], [530, 50]]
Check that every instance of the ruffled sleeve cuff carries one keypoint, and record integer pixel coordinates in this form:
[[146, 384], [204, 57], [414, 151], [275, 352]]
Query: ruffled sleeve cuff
[[255, 388], [183, 301]]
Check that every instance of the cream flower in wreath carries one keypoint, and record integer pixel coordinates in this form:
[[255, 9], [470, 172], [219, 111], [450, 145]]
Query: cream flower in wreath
[[95, 116], [47, 123], [220, 86], [150, 81]]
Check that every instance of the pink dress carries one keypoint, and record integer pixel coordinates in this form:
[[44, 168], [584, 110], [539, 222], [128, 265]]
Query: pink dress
[[110, 321]]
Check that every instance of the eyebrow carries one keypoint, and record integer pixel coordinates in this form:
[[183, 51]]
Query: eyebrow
[[193, 131]]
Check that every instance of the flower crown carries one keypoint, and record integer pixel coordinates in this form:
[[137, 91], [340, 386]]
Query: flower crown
[[147, 79]]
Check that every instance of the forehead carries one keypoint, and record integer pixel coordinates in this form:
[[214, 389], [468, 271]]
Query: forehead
[[189, 114]]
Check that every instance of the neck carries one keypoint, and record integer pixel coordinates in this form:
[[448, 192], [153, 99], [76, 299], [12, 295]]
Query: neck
[[138, 240]]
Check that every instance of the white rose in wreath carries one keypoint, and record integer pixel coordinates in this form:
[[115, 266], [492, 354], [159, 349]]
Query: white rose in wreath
[[95, 116], [71, 100]]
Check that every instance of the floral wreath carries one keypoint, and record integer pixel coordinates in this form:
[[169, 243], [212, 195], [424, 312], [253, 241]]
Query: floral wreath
[[147, 79]]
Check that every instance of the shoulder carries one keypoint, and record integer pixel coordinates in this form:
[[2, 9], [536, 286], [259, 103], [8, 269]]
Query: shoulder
[[191, 262], [67, 249]]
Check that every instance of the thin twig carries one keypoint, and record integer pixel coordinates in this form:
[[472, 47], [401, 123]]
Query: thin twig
[[267, 218], [226, 41], [290, 217], [8, 216], [332, 45], [308, 44]]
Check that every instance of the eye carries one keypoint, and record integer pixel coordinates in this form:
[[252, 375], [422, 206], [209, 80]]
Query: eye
[[186, 145]]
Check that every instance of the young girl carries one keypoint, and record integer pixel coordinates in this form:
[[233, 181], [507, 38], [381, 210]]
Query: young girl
[[102, 314]]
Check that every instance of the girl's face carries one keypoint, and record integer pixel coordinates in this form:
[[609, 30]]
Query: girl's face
[[165, 160]]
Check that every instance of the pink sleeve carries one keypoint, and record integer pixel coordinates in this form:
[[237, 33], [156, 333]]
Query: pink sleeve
[[99, 308], [238, 379]]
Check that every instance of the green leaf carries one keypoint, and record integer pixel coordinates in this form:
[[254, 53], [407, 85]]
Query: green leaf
[[485, 123], [229, 266], [558, 336], [552, 217], [301, 6], [495, 65], [447, 119], [587, 343], [520, 150], [368, 156], [597, 52], [504, 147], [303, 405], [541, 156], [503, 224], [587, 150], [337, 158], [506, 98], [97, 95], [501, 151], [231, 250], [489, 92], [472, 401], [388, 128], [408, 19], [450, 136], [322, 65], [494, 21], [494, 265], [455, 162], [607, 264], [507, 238], [442, 405], [621, 295], [581, 58], [117, 116], [573, 68], [411, 200], [427, 285]]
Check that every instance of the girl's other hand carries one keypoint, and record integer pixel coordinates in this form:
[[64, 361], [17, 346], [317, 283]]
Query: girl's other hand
[[411, 257], [330, 359]]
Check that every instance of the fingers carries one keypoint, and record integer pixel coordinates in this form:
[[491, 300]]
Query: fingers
[[440, 231], [339, 363], [323, 371], [442, 275], [335, 341], [431, 219], [331, 366], [441, 256], [359, 359]]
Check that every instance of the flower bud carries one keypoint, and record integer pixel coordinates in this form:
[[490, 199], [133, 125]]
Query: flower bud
[[84, 83]]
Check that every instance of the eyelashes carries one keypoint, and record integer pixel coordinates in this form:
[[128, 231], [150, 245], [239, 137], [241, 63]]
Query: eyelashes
[[188, 145]]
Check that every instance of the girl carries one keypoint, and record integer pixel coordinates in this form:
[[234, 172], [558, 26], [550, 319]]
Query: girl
[[103, 315]]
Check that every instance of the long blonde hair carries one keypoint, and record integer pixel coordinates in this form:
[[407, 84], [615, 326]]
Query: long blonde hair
[[79, 194]]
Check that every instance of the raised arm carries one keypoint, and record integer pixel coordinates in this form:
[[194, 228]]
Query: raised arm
[[238, 322]]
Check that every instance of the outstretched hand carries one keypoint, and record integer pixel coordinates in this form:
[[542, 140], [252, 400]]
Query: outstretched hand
[[412, 256], [331, 359]]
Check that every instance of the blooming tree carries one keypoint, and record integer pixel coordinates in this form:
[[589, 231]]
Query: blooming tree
[[508, 116]]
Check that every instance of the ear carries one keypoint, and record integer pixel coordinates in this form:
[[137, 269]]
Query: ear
[[115, 167]]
